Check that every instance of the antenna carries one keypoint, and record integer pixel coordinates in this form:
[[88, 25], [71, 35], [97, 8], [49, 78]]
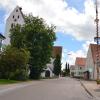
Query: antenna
[[97, 23]]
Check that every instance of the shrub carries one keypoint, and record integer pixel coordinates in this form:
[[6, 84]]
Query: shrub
[[98, 81], [13, 63]]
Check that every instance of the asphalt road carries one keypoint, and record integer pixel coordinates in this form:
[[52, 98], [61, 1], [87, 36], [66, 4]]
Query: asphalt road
[[52, 89]]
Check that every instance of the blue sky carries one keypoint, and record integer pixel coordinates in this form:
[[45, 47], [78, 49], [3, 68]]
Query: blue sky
[[2, 24], [68, 42], [78, 4], [72, 17]]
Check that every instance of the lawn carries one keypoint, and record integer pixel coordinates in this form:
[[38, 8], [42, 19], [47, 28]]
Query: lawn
[[5, 81]]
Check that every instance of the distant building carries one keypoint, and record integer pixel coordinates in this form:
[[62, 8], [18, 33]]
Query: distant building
[[16, 17], [1, 40], [91, 62], [79, 67], [48, 72]]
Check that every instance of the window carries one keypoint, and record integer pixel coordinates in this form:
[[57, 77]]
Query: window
[[15, 20], [18, 16], [80, 67], [80, 73], [13, 16], [17, 10]]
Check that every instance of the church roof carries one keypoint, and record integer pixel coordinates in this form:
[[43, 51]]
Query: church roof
[[57, 50]]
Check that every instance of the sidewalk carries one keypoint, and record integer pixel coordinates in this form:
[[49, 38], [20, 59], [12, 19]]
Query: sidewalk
[[92, 88]]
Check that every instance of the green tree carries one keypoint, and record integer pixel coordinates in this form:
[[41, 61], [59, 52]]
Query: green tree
[[66, 71], [13, 63], [38, 38], [66, 68], [57, 65]]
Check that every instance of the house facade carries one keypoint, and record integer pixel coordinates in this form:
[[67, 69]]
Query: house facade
[[79, 67], [91, 61], [16, 17]]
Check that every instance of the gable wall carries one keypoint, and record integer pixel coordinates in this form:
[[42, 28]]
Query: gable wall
[[13, 19], [90, 64]]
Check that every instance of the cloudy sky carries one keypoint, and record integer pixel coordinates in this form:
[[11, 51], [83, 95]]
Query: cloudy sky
[[74, 20]]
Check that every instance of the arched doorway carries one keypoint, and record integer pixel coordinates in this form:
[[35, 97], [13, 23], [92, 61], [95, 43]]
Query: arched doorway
[[47, 73]]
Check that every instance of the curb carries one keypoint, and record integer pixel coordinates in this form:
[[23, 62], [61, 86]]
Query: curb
[[87, 89]]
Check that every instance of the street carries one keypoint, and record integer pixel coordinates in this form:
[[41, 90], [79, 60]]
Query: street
[[49, 89]]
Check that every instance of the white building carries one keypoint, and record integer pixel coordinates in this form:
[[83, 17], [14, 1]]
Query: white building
[[16, 17], [91, 61], [79, 67]]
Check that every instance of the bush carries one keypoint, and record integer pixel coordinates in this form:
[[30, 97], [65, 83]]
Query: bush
[[98, 81], [13, 64]]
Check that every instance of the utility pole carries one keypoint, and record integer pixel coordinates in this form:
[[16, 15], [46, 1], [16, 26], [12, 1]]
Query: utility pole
[[96, 39]]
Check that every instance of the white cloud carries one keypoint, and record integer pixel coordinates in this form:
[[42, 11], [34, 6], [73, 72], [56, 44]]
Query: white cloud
[[64, 57], [67, 19], [70, 56], [86, 45]]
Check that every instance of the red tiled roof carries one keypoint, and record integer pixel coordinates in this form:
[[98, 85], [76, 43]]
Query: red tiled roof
[[93, 48], [80, 61], [57, 50]]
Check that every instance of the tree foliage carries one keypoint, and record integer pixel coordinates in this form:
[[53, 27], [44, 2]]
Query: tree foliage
[[13, 63], [57, 65], [38, 38], [67, 69]]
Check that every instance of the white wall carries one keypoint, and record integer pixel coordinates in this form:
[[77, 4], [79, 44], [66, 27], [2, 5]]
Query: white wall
[[13, 19], [79, 72], [90, 64], [50, 68]]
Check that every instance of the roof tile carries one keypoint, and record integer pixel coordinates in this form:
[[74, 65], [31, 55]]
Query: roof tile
[[80, 61]]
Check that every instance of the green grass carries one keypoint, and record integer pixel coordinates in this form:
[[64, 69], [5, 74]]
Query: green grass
[[5, 81]]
